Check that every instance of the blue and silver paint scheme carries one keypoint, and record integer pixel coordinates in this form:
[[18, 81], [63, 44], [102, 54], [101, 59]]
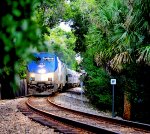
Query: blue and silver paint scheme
[[42, 71], [46, 72], [43, 63]]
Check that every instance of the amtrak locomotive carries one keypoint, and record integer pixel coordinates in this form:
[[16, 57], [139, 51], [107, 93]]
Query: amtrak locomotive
[[46, 73]]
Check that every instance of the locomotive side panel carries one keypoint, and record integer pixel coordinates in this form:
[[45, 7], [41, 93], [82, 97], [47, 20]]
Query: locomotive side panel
[[62, 74]]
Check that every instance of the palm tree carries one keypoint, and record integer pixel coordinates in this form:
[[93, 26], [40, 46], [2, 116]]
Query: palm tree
[[120, 34], [129, 39]]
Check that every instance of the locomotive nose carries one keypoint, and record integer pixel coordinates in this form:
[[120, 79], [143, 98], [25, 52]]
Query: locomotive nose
[[41, 71], [41, 64], [41, 68]]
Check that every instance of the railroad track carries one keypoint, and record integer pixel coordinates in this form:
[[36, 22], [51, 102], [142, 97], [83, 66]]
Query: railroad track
[[41, 117], [70, 121], [112, 124]]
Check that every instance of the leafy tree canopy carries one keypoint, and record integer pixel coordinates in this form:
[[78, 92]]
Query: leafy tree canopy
[[18, 38], [62, 43]]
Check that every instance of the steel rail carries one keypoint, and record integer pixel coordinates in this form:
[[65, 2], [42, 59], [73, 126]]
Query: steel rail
[[77, 124], [137, 125]]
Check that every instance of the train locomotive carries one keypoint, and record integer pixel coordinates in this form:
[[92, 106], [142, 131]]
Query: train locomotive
[[46, 73]]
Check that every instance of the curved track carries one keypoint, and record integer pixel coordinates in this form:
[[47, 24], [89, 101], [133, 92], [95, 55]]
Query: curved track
[[111, 124], [64, 116], [70, 121], [41, 117]]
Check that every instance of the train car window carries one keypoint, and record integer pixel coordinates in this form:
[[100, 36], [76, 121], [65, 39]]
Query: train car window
[[69, 75], [48, 58]]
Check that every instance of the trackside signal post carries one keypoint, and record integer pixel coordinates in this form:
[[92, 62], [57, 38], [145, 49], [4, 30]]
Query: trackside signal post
[[113, 83], [81, 85]]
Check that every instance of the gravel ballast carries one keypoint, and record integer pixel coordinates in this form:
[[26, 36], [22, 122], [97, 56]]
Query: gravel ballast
[[73, 99], [14, 122]]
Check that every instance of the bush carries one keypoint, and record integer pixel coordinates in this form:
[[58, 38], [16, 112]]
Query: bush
[[97, 86]]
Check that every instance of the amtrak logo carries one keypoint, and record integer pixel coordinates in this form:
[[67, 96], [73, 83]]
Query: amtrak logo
[[41, 65]]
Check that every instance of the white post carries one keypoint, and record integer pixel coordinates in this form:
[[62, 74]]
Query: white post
[[81, 92], [113, 83]]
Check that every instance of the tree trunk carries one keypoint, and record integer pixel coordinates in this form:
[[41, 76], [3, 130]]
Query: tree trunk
[[6, 87], [127, 106], [0, 90]]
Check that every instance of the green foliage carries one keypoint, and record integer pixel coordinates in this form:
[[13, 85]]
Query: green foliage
[[62, 43], [19, 37], [117, 40], [80, 23], [48, 13], [22, 69], [97, 83]]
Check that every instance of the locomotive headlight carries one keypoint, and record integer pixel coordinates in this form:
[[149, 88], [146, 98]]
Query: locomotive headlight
[[50, 76], [32, 75], [41, 71], [32, 78]]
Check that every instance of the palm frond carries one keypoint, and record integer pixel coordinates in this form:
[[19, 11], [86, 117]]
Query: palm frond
[[120, 59], [144, 54], [99, 58]]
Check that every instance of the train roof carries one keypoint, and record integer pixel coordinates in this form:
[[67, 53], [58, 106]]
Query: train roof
[[72, 71], [44, 54]]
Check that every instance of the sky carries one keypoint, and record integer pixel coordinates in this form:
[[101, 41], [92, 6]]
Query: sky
[[67, 28], [67, 1], [64, 26]]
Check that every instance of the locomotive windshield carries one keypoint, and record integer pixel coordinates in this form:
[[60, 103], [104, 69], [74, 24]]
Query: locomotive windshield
[[43, 62], [44, 59], [38, 59]]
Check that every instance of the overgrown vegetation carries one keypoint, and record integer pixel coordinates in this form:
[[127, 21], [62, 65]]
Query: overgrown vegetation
[[97, 84], [117, 42], [19, 36], [29, 27]]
